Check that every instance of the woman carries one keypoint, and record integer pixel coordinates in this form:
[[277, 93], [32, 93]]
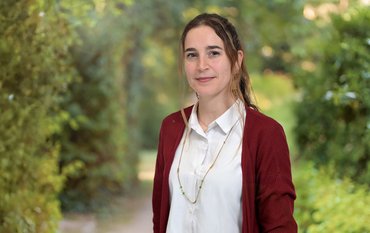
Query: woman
[[222, 166]]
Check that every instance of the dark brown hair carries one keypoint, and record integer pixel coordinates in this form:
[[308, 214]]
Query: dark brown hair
[[240, 84]]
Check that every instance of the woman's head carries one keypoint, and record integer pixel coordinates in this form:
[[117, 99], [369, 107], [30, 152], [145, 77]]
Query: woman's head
[[199, 30]]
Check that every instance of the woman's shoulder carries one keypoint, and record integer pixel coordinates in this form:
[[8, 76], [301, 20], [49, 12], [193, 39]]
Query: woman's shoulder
[[176, 117], [263, 130], [256, 120]]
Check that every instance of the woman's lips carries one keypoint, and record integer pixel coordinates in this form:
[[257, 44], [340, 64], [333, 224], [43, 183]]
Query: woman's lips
[[204, 79]]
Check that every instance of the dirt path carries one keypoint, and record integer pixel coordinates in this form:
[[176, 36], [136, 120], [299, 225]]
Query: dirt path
[[134, 217], [128, 215], [140, 223]]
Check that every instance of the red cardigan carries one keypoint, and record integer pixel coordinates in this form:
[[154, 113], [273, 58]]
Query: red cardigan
[[268, 192]]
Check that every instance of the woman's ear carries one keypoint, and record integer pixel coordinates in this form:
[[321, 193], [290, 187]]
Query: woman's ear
[[240, 58], [239, 62]]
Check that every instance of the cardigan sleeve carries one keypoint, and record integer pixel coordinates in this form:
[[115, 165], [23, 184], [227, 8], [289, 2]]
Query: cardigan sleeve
[[157, 184], [275, 190]]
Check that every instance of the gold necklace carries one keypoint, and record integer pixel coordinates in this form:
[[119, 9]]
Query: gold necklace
[[210, 167]]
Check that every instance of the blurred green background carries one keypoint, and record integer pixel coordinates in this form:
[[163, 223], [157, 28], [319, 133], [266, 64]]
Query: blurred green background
[[84, 86]]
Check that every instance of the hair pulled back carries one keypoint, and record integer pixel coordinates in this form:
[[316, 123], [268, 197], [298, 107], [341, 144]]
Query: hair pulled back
[[240, 84]]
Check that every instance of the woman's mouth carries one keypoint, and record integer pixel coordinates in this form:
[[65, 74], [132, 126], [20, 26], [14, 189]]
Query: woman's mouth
[[204, 79]]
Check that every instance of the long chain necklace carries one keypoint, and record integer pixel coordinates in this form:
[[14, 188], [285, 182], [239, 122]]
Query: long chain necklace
[[205, 175]]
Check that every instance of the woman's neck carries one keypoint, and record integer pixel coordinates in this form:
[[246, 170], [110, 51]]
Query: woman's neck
[[210, 109]]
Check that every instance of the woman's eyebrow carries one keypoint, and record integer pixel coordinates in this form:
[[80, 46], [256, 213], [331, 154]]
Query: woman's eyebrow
[[190, 50], [213, 47], [210, 47]]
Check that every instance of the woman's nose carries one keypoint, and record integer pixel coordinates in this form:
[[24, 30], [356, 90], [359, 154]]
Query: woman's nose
[[202, 63]]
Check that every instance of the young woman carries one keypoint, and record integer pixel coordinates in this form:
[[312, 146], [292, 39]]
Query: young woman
[[222, 166]]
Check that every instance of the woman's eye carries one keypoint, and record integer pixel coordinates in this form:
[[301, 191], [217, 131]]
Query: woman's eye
[[190, 55], [213, 53]]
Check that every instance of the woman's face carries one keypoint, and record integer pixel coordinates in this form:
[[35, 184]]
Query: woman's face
[[207, 67]]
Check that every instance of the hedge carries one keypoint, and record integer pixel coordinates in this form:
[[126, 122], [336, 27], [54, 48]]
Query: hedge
[[94, 138], [326, 203], [333, 117], [34, 70]]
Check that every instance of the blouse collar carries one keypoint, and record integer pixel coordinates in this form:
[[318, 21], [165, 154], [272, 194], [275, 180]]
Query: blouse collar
[[226, 121]]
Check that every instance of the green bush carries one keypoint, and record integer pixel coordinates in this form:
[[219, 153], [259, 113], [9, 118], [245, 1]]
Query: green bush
[[94, 138], [333, 117], [34, 70], [329, 204]]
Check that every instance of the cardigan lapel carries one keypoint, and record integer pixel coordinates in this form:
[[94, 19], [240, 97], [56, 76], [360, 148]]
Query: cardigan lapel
[[175, 132]]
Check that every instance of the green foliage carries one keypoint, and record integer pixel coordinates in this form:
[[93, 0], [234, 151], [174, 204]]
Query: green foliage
[[117, 105], [270, 29], [333, 118], [95, 134], [34, 69], [328, 204]]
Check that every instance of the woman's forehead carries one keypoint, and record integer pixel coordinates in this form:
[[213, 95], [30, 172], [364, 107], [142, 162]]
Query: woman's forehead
[[202, 36]]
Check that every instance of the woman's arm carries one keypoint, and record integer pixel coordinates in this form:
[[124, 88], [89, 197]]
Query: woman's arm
[[275, 189], [157, 185]]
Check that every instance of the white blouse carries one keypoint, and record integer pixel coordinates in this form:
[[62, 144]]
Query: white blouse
[[218, 208]]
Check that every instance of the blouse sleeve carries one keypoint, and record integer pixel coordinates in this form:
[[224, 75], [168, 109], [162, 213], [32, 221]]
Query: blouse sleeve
[[275, 189], [157, 185]]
